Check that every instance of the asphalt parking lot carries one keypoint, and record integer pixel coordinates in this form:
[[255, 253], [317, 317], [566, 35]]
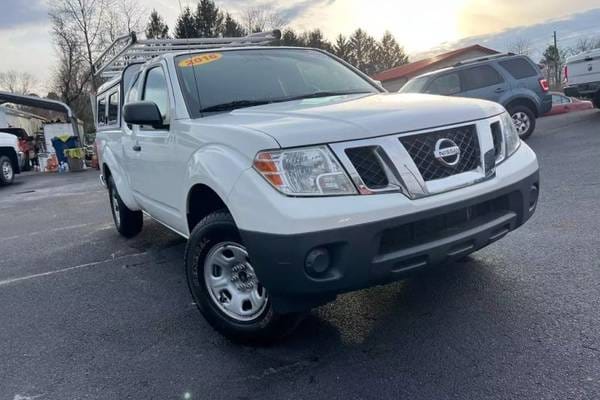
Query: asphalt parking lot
[[86, 314]]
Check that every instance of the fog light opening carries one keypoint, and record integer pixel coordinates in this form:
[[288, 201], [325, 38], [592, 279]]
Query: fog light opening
[[533, 197], [317, 261]]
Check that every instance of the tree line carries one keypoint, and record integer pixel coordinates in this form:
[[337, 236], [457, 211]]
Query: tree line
[[82, 29], [207, 20]]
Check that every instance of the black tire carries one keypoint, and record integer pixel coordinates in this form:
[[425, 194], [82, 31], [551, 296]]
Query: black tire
[[529, 115], [213, 232], [128, 223], [596, 100], [7, 172]]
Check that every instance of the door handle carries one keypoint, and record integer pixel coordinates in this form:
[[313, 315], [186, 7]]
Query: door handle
[[137, 147], [499, 90]]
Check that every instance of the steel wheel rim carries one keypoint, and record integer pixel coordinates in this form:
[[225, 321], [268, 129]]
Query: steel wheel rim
[[522, 122], [232, 282], [7, 171], [115, 208]]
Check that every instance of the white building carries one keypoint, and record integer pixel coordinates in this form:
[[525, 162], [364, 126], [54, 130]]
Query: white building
[[14, 118]]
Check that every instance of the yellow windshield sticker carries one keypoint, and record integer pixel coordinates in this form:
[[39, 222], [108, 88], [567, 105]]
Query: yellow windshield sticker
[[200, 59]]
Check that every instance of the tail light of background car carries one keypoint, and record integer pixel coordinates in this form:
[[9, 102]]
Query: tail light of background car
[[544, 85], [566, 73]]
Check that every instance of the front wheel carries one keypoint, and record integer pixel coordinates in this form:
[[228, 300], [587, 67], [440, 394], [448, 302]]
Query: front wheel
[[7, 174], [524, 120], [224, 285]]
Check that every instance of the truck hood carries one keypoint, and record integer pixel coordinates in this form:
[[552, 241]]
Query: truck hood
[[352, 117], [7, 139]]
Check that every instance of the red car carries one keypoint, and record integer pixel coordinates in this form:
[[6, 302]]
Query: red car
[[562, 104]]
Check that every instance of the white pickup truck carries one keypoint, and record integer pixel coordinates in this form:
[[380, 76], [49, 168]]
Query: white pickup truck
[[582, 75], [10, 158], [295, 177]]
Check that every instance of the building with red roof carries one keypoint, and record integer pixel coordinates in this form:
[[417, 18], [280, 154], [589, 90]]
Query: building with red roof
[[393, 79]]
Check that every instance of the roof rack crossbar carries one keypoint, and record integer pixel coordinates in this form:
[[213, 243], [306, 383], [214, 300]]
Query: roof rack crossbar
[[127, 49]]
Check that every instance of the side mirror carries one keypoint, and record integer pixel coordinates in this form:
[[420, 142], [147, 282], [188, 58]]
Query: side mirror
[[143, 113]]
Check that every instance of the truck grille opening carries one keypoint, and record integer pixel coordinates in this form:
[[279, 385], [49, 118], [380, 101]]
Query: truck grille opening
[[368, 165], [421, 148], [441, 226]]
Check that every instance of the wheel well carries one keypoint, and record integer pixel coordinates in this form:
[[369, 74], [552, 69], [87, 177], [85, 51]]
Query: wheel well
[[596, 99], [10, 153], [202, 200], [523, 102], [106, 172]]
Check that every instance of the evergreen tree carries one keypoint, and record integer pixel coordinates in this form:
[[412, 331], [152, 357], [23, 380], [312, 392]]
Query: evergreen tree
[[232, 28], [156, 28], [290, 38], [342, 48], [316, 40], [185, 27], [209, 19], [363, 49], [388, 54]]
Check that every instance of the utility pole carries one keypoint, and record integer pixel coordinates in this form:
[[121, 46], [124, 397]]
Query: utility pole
[[557, 56]]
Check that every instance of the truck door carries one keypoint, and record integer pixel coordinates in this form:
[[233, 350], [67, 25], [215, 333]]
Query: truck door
[[152, 162]]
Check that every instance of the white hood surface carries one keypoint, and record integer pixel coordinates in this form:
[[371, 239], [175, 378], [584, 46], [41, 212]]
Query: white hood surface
[[353, 117]]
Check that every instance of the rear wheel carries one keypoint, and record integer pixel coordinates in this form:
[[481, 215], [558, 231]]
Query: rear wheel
[[128, 223], [7, 173], [524, 120], [224, 285], [596, 100]]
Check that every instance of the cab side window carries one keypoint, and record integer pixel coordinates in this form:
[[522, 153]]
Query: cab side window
[[113, 108], [102, 111], [155, 90], [132, 94], [480, 77], [447, 84]]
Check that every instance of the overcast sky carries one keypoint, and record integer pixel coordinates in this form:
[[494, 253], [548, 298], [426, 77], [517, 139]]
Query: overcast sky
[[418, 25]]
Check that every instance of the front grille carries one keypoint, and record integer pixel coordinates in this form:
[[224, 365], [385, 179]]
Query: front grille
[[442, 226], [368, 165], [421, 148]]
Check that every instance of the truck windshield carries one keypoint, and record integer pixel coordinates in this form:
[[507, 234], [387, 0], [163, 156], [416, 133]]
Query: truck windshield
[[226, 80]]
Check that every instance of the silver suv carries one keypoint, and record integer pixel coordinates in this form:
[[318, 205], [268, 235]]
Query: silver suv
[[514, 81]]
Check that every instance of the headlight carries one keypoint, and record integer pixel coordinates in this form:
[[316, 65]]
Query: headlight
[[309, 171], [511, 137]]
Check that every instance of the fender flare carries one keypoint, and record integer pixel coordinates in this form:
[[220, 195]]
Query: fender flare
[[217, 167]]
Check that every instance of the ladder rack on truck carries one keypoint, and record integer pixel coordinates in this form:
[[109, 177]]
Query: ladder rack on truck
[[127, 49]]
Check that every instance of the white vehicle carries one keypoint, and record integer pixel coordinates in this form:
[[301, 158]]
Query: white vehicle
[[10, 158], [582, 74], [295, 177]]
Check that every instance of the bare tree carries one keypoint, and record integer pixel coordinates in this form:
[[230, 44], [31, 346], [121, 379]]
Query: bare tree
[[124, 16], [86, 20], [585, 44], [71, 75], [17, 82], [520, 46], [260, 19]]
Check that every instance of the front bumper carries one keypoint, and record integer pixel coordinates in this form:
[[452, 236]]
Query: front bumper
[[382, 251]]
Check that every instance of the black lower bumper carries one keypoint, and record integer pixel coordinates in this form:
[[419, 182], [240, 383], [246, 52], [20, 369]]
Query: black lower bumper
[[585, 90], [378, 252]]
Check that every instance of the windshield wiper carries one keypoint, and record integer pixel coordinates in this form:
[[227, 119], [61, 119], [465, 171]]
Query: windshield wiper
[[322, 94], [232, 105]]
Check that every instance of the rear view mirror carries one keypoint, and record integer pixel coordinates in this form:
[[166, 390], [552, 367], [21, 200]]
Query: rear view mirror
[[143, 113]]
